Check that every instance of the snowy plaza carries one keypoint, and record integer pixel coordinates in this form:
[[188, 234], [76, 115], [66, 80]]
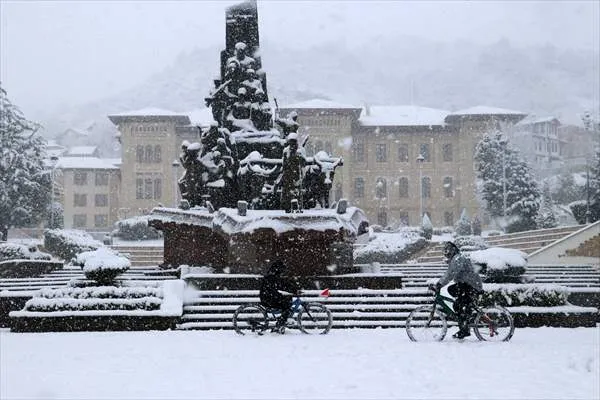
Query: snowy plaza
[[538, 363]]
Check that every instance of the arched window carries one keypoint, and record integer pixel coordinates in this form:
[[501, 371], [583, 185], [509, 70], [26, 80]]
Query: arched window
[[359, 188], [157, 188], [380, 188], [328, 148], [157, 154], [448, 187], [139, 154], [426, 187], [403, 187], [338, 191], [148, 154]]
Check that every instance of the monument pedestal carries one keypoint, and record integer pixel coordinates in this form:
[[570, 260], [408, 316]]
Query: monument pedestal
[[311, 242]]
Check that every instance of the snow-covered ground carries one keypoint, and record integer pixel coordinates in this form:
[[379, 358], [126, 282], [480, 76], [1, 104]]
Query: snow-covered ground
[[543, 363]]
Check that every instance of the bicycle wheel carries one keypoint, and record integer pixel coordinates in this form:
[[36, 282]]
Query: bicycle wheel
[[315, 318], [250, 318], [425, 325], [494, 324]]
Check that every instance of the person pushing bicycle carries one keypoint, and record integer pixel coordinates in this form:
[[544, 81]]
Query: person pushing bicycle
[[466, 288], [276, 292]]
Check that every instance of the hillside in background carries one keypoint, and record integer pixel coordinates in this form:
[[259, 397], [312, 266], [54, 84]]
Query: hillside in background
[[399, 70]]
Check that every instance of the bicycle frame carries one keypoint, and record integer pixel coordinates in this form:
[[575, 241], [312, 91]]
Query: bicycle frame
[[273, 314]]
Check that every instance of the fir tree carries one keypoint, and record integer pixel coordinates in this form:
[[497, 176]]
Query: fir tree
[[546, 218], [463, 225], [505, 175], [24, 182], [427, 227], [594, 188]]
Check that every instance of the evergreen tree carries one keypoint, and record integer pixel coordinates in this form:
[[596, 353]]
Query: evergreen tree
[[566, 190], [463, 225], [546, 217], [427, 227], [24, 182], [594, 188], [504, 174]]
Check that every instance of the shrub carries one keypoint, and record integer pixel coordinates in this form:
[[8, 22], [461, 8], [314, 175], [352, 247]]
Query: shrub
[[443, 230], [136, 228], [67, 244], [476, 226], [499, 265], [15, 251], [427, 227], [378, 254], [514, 295], [463, 225], [102, 265], [579, 209], [470, 243]]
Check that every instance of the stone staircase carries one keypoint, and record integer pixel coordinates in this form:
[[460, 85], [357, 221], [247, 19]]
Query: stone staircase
[[142, 256], [589, 248], [528, 242]]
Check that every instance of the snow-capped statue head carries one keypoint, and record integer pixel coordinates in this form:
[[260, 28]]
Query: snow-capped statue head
[[240, 46], [293, 115], [292, 137]]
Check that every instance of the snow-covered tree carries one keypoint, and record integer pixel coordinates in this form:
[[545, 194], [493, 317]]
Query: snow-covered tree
[[427, 227], [476, 226], [566, 189], [594, 183], [463, 225], [505, 174], [546, 217], [24, 182]]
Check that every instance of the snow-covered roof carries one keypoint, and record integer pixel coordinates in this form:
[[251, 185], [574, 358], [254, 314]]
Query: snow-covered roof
[[402, 116], [318, 103], [485, 110], [148, 112], [534, 119], [200, 116], [85, 163], [82, 150]]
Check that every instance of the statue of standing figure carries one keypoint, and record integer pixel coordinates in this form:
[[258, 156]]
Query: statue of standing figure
[[291, 177]]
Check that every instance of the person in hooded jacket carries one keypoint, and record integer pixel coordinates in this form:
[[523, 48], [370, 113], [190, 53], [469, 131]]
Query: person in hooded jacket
[[467, 286], [271, 287]]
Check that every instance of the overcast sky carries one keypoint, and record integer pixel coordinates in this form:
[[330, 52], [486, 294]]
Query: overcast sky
[[70, 52]]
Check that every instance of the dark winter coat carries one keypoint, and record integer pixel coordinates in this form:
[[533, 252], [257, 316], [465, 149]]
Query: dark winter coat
[[269, 290], [460, 269]]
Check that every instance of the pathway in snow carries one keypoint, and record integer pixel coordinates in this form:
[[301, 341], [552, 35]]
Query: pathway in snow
[[543, 363]]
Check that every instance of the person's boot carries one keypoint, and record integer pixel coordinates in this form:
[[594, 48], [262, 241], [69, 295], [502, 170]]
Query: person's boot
[[462, 333], [279, 327]]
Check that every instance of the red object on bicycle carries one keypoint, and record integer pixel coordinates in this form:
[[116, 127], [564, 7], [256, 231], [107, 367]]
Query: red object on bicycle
[[325, 293]]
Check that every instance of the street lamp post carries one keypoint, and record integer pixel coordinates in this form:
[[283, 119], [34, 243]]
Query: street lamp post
[[54, 160], [420, 160], [504, 185]]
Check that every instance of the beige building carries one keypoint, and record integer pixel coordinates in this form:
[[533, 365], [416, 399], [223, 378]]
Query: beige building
[[399, 161], [89, 190]]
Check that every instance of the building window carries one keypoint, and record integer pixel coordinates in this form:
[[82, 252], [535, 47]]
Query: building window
[[310, 149], [139, 188], [404, 218], [403, 187], [148, 154], [318, 146], [101, 179], [139, 154], [447, 152], [157, 188], [79, 221], [382, 218], [100, 220], [79, 200], [426, 187], [381, 152], [157, 154], [380, 188], [403, 153], [359, 188], [148, 188], [358, 152], [101, 200], [80, 178], [328, 148], [448, 187], [424, 151], [448, 218]]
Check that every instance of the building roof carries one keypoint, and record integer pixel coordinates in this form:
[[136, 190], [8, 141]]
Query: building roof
[[82, 151], [149, 113], [402, 116], [319, 103], [485, 110], [534, 119], [86, 163]]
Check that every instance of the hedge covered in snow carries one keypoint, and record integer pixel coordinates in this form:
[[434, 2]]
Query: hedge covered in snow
[[16, 251], [101, 298], [500, 265], [67, 243], [102, 265], [136, 228], [390, 248], [514, 295]]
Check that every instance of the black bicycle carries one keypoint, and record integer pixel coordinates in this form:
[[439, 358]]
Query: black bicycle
[[309, 317], [430, 322]]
